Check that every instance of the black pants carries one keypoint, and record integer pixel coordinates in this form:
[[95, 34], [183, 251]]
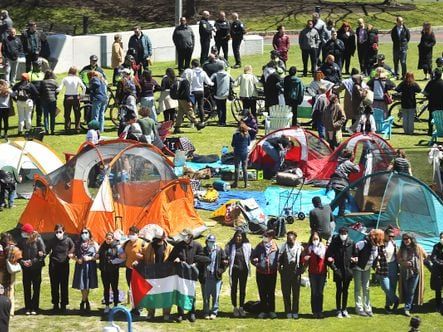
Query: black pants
[[30, 58], [290, 285], [347, 62], [169, 114], [128, 276], [266, 291], [59, 277], [199, 98], [221, 108], [362, 51], [32, 278], [181, 311], [184, 58], [294, 107], [238, 277], [341, 296], [71, 103], [110, 280], [438, 299], [251, 104], [236, 42], [306, 54], [205, 44], [400, 57], [222, 44], [38, 112], [4, 120]]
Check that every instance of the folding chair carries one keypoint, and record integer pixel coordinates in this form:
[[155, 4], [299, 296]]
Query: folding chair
[[384, 126], [437, 121], [280, 116]]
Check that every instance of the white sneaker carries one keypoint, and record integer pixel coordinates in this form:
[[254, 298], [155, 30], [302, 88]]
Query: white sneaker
[[242, 312], [288, 316], [212, 317], [106, 309], [339, 314], [236, 312], [345, 314], [272, 315], [262, 315], [207, 317], [295, 316]]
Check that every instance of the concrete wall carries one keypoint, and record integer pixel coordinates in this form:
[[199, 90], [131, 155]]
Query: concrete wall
[[67, 51]]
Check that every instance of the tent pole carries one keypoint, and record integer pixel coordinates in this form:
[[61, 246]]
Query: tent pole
[[19, 164], [383, 199]]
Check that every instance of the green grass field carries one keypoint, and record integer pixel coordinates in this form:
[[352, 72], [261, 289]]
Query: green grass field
[[211, 140]]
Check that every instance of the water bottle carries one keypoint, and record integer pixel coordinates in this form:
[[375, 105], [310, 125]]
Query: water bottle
[[224, 150], [220, 185]]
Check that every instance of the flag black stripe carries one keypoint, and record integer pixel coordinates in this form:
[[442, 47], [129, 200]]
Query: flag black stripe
[[163, 270]]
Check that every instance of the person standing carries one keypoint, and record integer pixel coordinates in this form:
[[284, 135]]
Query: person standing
[[240, 143], [117, 56], [199, 80], [400, 37], [437, 273], [381, 85], [238, 250], [5, 107], [35, 44], [309, 41], [294, 91], [281, 43], [248, 90], [362, 46], [5, 310], [339, 258], [6, 23], [148, 86], [205, 30], [372, 47], [48, 97], [410, 258], [72, 84], [109, 268], [334, 119], [238, 30], [347, 36], [315, 259], [184, 42], [320, 26], [167, 105], [223, 82], [425, 48], [142, 48], [265, 258], [433, 92], [290, 266], [222, 34], [60, 248], [12, 48], [8, 251], [408, 89], [93, 66], [25, 93], [321, 219], [335, 47], [99, 98], [32, 262]]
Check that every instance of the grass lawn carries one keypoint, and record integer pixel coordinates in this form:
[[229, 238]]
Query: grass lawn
[[211, 140]]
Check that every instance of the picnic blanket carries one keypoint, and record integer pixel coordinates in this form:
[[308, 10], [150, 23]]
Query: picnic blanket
[[199, 166]]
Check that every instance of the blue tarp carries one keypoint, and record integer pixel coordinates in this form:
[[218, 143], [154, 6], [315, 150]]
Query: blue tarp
[[218, 164]]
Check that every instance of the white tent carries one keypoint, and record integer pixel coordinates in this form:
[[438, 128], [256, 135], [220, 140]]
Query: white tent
[[29, 158]]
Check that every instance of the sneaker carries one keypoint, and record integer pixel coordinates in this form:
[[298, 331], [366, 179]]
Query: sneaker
[[55, 308], [179, 318], [166, 318], [200, 125], [27, 313], [407, 313], [207, 317], [345, 314], [369, 313], [33, 313], [339, 314], [289, 316], [106, 310], [396, 303], [272, 315], [236, 312], [63, 308], [262, 315], [388, 309], [213, 316], [295, 316], [242, 312], [192, 318], [361, 313]]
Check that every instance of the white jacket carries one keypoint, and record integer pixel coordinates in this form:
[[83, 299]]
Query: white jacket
[[199, 78]]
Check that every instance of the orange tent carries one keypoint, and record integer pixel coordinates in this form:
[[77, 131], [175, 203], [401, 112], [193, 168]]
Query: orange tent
[[113, 185]]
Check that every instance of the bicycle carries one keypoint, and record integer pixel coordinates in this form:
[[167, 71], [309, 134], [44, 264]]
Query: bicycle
[[237, 107], [86, 109], [395, 110]]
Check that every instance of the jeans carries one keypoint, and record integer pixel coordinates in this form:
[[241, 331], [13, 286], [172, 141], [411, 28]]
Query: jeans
[[59, 276], [290, 285], [309, 54], [238, 277], [10, 195], [49, 109], [385, 285], [409, 287], [98, 113], [244, 164], [393, 279], [408, 117], [10, 70], [274, 154], [221, 108], [149, 102], [24, 110], [266, 290], [341, 295], [400, 57], [342, 201], [212, 288], [361, 290], [317, 284], [32, 278]]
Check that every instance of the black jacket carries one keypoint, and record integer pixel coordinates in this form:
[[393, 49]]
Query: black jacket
[[332, 72], [400, 42], [59, 249], [364, 254], [48, 90], [238, 29], [12, 47], [433, 91], [183, 37], [41, 47], [25, 90], [5, 311], [205, 29], [220, 266], [222, 30], [30, 252], [184, 90], [341, 252], [106, 253], [190, 253], [348, 41], [437, 267], [334, 47]]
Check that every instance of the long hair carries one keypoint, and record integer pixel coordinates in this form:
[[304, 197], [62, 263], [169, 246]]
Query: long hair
[[4, 88], [409, 78], [312, 235], [244, 238], [413, 245], [32, 237]]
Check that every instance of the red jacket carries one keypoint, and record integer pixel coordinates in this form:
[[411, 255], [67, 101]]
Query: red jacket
[[316, 264]]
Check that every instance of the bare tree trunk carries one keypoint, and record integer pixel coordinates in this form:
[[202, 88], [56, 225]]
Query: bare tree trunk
[[190, 9]]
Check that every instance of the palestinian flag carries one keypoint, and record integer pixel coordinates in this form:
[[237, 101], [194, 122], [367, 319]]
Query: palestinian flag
[[163, 285]]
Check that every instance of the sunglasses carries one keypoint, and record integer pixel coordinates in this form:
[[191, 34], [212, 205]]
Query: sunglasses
[[59, 232], [85, 233], [406, 238]]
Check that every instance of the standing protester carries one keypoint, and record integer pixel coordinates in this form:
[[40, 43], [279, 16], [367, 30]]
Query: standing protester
[[320, 26], [381, 85], [148, 86], [199, 80], [294, 92], [184, 42], [6, 23], [248, 90], [412, 274], [290, 265], [32, 262], [335, 47], [425, 48], [5, 310], [272, 86], [265, 258], [321, 219], [433, 91], [408, 89], [240, 143], [281, 43], [12, 48], [315, 259], [60, 248], [93, 66], [400, 38], [109, 268], [35, 44], [348, 86], [85, 272], [166, 104], [238, 250], [223, 83], [318, 110], [25, 93], [437, 273], [334, 119], [9, 178], [347, 36], [117, 56], [205, 30], [222, 34], [5, 107], [141, 45], [362, 46], [372, 47], [72, 84], [339, 257], [238, 30], [48, 98], [309, 41], [99, 98]]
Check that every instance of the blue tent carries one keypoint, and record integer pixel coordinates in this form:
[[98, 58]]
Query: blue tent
[[390, 198]]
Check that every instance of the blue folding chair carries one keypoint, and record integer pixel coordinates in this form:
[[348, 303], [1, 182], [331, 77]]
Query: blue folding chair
[[384, 126], [437, 120]]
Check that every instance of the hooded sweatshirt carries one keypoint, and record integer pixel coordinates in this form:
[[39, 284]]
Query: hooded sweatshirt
[[222, 80]]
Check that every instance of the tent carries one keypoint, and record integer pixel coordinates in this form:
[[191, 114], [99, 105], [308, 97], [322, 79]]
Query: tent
[[29, 158], [371, 151], [307, 147], [113, 185], [397, 199]]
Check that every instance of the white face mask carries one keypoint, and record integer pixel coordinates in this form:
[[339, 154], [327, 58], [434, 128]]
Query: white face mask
[[316, 242], [25, 235], [265, 239], [211, 245], [343, 237], [59, 236], [133, 237], [85, 237]]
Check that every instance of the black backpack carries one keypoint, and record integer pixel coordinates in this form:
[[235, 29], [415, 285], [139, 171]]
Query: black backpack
[[7, 178], [174, 90]]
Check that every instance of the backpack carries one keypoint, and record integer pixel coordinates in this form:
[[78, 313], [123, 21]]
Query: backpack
[[22, 94], [173, 92], [8, 179], [296, 91]]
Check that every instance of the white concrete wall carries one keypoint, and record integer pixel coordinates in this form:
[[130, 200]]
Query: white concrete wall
[[69, 51]]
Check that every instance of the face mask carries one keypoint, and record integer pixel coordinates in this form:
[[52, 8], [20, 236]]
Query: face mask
[[343, 237], [133, 237], [211, 245], [59, 235], [25, 235], [85, 237], [316, 242], [265, 240]]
